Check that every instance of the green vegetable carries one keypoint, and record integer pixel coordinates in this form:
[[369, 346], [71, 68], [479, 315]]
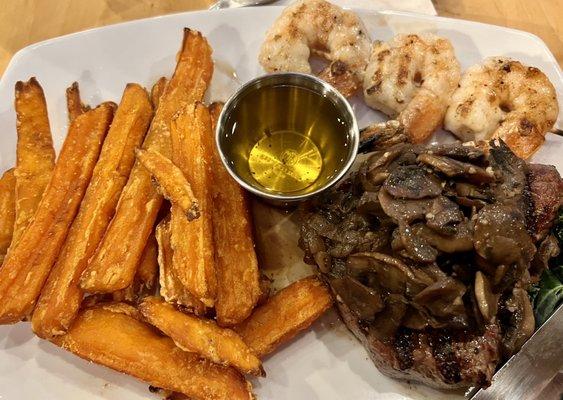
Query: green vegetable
[[547, 294]]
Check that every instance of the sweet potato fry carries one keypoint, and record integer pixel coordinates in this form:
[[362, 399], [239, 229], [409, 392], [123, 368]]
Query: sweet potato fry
[[238, 278], [108, 335], [193, 258], [145, 280], [170, 287], [201, 336], [7, 210], [28, 264], [114, 265], [171, 182], [35, 153], [74, 104], [157, 91], [60, 298], [287, 313]]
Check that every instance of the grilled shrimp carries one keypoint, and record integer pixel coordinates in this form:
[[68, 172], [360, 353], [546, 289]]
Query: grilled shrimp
[[503, 98], [325, 30], [411, 78]]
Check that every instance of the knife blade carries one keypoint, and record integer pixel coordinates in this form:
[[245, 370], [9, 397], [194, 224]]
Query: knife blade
[[530, 370]]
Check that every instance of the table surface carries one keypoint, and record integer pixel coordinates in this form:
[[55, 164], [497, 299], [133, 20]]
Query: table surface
[[23, 22]]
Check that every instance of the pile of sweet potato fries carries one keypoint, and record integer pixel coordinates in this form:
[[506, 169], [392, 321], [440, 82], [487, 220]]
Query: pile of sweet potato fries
[[134, 249]]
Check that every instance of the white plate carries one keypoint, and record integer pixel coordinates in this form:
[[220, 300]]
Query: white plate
[[325, 363]]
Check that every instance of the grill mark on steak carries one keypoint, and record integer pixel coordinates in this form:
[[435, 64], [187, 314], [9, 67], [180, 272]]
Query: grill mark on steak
[[405, 342], [443, 352]]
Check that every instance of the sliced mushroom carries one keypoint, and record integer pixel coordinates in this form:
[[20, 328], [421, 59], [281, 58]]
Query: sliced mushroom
[[403, 210], [500, 271], [521, 321], [459, 242], [374, 171], [469, 202], [453, 168], [390, 273], [443, 298], [458, 151], [363, 301], [386, 323], [444, 216], [417, 246], [500, 235], [511, 172], [414, 319], [486, 300], [465, 189], [369, 204], [381, 135], [412, 182]]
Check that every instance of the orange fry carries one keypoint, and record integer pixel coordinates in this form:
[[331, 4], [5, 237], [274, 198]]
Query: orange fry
[[193, 258], [7, 210], [35, 153], [171, 181], [170, 287], [74, 104], [284, 315], [111, 335], [115, 262], [28, 264], [201, 336], [60, 299], [146, 277], [238, 278], [157, 91]]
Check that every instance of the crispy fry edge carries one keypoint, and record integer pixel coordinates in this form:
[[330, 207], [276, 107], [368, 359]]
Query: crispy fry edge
[[204, 337], [285, 314], [114, 265], [61, 296]]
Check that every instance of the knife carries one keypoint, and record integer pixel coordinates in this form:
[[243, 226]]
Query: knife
[[530, 370]]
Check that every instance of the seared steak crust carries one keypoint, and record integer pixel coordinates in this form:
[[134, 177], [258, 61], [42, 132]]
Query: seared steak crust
[[546, 192]]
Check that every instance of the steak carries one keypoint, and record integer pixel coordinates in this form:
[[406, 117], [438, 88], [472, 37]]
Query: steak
[[428, 253]]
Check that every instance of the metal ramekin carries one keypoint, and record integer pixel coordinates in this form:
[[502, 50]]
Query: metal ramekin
[[311, 83]]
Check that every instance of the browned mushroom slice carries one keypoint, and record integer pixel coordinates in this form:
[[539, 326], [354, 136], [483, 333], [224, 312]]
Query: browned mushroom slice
[[500, 235], [363, 301], [390, 273], [386, 323], [369, 204], [417, 246], [459, 151], [462, 240], [412, 182], [486, 300], [414, 319], [444, 216], [465, 189], [511, 171], [403, 210], [443, 298], [374, 171], [381, 135], [453, 168], [522, 323]]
